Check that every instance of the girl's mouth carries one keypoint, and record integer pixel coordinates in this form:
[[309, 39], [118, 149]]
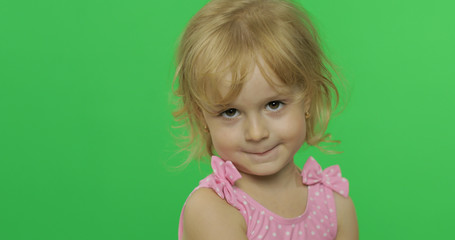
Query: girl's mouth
[[261, 153]]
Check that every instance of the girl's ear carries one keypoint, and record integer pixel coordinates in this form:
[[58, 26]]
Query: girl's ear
[[307, 103], [203, 120]]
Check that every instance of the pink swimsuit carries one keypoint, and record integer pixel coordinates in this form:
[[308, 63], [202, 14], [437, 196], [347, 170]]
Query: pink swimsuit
[[319, 220]]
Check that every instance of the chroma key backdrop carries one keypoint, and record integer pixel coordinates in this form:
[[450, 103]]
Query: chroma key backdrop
[[86, 138]]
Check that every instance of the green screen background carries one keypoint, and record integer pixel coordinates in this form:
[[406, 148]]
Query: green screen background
[[86, 150]]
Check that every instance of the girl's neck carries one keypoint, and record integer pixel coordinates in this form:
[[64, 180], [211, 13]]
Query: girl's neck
[[282, 193], [287, 178]]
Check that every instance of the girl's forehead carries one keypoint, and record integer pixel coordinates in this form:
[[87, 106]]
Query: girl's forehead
[[229, 81], [227, 88]]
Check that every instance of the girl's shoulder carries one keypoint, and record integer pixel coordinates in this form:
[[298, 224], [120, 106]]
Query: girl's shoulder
[[346, 217], [207, 216], [214, 203]]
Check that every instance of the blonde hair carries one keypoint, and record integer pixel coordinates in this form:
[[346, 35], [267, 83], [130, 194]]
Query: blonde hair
[[229, 37]]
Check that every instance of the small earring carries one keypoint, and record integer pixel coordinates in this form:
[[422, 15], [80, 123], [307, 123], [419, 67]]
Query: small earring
[[206, 129], [307, 115]]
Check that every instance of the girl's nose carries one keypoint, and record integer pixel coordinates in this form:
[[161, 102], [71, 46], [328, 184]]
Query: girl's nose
[[256, 129]]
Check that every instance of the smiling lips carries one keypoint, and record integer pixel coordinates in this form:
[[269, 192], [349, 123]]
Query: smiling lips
[[262, 153]]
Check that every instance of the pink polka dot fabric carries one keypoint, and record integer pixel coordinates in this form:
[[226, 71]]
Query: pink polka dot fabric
[[317, 222]]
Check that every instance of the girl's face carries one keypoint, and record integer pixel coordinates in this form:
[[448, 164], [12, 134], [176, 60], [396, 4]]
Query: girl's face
[[262, 129]]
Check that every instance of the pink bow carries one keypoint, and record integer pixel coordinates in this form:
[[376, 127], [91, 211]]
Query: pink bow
[[331, 177], [225, 170], [224, 176]]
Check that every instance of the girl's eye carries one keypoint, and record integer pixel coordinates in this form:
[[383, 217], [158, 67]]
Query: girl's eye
[[274, 106], [230, 113]]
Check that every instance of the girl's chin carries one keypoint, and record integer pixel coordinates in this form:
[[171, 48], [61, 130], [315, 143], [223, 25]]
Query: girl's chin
[[261, 170]]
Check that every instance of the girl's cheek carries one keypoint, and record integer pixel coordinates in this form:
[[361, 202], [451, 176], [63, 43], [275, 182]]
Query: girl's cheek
[[222, 136], [293, 125]]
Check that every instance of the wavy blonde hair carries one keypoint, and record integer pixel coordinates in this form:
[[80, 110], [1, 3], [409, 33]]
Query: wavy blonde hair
[[228, 38]]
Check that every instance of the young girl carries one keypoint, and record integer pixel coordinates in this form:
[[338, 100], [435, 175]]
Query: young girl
[[254, 88]]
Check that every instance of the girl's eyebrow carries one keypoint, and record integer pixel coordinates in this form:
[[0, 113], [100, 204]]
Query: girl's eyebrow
[[278, 96], [216, 108]]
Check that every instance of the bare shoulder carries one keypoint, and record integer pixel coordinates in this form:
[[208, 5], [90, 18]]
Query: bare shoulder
[[207, 216], [346, 217]]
